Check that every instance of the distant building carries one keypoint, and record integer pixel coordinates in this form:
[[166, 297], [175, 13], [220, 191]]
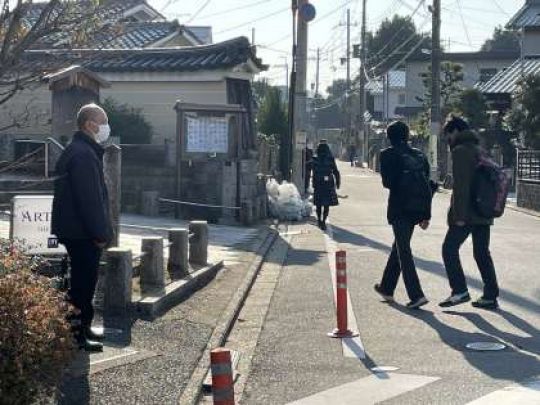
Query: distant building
[[388, 95], [500, 88], [478, 68]]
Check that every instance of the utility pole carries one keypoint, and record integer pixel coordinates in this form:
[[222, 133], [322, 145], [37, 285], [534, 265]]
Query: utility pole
[[435, 89], [348, 93], [362, 134], [317, 73], [300, 107]]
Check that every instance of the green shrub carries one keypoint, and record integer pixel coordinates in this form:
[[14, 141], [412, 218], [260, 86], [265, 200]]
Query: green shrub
[[36, 343]]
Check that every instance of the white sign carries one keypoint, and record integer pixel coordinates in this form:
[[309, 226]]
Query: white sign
[[207, 134], [301, 140], [31, 224]]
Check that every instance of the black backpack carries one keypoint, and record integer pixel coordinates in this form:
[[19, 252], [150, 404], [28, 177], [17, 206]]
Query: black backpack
[[415, 187], [490, 188]]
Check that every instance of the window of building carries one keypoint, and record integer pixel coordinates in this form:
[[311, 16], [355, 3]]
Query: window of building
[[401, 99], [487, 74]]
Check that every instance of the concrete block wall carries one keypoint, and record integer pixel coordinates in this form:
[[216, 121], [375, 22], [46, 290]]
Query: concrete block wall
[[529, 195]]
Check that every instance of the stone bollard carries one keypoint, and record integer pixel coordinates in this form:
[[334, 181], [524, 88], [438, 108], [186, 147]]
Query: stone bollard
[[150, 203], [178, 265], [198, 244], [112, 168], [246, 213], [152, 271], [118, 278]]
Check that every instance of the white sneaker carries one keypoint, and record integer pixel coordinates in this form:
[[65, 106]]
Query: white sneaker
[[455, 299]]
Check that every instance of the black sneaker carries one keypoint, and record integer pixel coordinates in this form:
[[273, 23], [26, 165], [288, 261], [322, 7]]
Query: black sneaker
[[386, 297], [418, 303], [455, 299], [323, 226], [485, 303]]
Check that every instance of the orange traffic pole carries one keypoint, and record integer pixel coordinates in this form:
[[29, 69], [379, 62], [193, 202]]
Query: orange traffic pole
[[342, 330], [222, 377]]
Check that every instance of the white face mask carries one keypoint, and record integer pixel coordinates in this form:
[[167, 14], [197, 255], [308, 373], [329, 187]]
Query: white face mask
[[103, 133]]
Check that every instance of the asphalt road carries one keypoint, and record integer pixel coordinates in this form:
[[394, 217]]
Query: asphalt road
[[294, 359]]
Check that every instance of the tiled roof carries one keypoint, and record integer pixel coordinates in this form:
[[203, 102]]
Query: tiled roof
[[528, 16], [140, 35], [506, 80], [222, 55], [204, 34]]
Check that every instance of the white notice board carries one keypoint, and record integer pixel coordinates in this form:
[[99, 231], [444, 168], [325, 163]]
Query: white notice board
[[207, 135], [31, 224]]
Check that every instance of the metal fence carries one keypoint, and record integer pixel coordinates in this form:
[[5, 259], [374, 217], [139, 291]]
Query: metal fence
[[528, 167]]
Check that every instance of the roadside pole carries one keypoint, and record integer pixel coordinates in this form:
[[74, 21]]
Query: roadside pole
[[362, 134], [435, 89]]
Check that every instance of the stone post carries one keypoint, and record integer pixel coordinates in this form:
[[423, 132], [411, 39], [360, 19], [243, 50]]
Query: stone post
[[178, 265], [118, 278], [152, 271], [246, 213], [198, 244], [112, 164], [150, 203]]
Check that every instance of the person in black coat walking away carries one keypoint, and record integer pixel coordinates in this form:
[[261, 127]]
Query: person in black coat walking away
[[405, 172], [326, 179], [80, 216]]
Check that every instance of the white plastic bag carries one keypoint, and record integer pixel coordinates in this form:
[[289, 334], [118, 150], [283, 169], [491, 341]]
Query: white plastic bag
[[285, 201]]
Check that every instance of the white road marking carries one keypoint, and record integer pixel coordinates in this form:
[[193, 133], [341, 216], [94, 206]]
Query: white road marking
[[523, 394], [369, 390], [352, 347]]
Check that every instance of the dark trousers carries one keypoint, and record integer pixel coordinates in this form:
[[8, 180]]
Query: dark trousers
[[401, 261], [84, 256], [454, 239]]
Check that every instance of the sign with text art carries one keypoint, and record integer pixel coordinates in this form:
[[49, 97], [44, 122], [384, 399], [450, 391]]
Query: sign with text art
[[31, 224]]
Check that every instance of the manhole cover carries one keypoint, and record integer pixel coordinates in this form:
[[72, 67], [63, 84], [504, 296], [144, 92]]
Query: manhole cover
[[485, 346], [384, 369]]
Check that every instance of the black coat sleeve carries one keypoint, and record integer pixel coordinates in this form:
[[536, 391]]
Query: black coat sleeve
[[389, 170], [336, 173], [89, 195]]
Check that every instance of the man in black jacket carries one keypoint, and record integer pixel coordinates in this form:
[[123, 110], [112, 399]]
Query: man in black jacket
[[80, 216], [405, 172]]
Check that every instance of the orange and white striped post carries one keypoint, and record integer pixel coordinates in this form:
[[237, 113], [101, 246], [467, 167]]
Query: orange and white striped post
[[222, 377], [342, 330]]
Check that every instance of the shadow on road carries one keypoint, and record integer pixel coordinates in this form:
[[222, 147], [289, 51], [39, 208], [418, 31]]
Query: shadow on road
[[344, 236], [498, 365], [530, 343]]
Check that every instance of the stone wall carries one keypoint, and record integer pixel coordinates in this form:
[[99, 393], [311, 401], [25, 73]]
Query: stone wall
[[529, 195], [139, 178]]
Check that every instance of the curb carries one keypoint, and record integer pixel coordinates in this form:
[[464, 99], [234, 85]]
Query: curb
[[152, 305], [193, 390]]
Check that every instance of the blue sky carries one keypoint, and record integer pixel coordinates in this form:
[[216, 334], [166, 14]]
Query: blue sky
[[466, 25]]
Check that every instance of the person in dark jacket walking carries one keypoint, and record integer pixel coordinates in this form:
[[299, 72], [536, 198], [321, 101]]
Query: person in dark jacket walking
[[80, 216], [326, 179], [464, 221], [405, 172], [351, 152]]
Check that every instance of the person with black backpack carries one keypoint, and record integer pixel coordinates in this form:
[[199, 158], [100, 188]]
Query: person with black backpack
[[405, 172], [469, 214], [326, 179]]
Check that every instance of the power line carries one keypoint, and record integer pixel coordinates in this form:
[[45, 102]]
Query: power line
[[255, 20], [201, 9], [236, 9]]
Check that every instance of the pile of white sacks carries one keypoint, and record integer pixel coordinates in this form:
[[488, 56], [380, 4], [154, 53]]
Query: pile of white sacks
[[285, 201]]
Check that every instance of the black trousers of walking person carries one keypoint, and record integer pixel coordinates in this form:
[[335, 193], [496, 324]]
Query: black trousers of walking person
[[84, 256], [401, 261], [454, 239]]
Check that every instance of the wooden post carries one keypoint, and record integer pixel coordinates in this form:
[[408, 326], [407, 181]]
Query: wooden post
[[178, 265], [198, 244], [118, 278], [112, 164], [152, 271]]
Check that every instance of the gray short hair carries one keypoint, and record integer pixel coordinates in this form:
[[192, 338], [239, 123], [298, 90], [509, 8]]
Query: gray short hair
[[87, 113]]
